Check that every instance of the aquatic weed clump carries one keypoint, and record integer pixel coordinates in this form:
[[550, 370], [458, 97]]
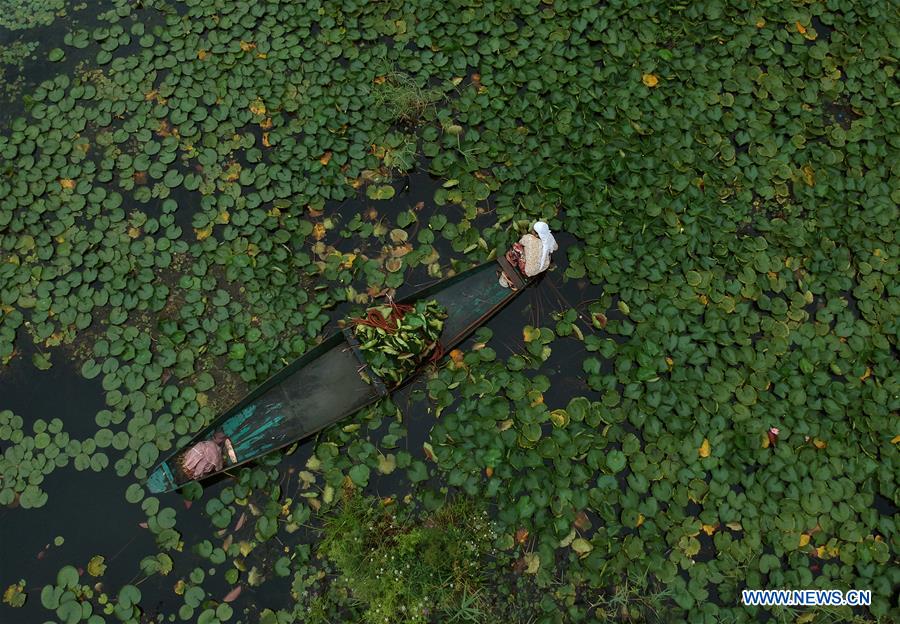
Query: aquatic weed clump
[[407, 567], [399, 97]]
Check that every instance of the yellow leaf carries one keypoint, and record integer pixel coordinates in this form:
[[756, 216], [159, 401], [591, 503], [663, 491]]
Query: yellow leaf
[[257, 107], [867, 374], [245, 548], [582, 546], [318, 231], [233, 172], [650, 80], [536, 398], [559, 417], [134, 232], [179, 587], [735, 526], [804, 540], [709, 529], [765, 441], [819, 444], [265, 140], [532, 563], [530, 333], [67, 183], [809, 175], [262, 55], [895, 439], [203, 233], [95, 566], [800, 28], [325, 158], [387, 463], [14, 595], [670, 362], [247, 46], [704, 449], [202, 54], [224, 217], [760, 23], [640, 520], [202, 399]]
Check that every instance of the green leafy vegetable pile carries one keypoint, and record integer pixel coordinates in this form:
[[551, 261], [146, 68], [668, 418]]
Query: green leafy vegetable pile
[[395, 338]]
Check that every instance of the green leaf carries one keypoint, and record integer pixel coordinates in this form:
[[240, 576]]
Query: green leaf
[[360, 475], [90, 369], [41, 361], [616, 461], [384, 191], [67, 577]]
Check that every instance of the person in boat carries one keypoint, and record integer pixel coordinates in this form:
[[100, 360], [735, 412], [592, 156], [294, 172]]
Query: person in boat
[[531, 255], [206, 457]]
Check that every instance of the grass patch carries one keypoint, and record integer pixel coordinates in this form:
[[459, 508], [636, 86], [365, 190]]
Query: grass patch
[[407, 567], [637, 598], [402, 98]]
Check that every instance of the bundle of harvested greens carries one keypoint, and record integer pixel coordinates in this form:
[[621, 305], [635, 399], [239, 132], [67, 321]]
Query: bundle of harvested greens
[[396, 338]]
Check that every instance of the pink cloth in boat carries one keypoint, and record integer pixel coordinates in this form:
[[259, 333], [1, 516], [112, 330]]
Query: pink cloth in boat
[[202, 458]]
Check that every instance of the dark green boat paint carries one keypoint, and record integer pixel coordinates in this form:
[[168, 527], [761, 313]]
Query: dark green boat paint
[[325, 386]]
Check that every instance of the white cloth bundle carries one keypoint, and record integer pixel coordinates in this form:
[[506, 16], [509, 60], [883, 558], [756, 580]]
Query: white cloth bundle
[[548, 246]]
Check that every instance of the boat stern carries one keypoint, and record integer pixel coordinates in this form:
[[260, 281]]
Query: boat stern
[[161, 480]]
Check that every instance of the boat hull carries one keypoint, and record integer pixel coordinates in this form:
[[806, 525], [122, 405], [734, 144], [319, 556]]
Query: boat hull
[[325, 385]]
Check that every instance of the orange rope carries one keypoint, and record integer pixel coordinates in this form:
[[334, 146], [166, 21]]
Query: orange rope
[[373, 318]]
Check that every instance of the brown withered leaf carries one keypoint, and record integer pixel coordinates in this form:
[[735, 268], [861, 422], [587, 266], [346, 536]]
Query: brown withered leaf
[[232, 595], [582, 522]]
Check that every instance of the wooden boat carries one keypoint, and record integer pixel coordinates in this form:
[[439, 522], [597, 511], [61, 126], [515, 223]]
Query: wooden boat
[[326, 384]]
